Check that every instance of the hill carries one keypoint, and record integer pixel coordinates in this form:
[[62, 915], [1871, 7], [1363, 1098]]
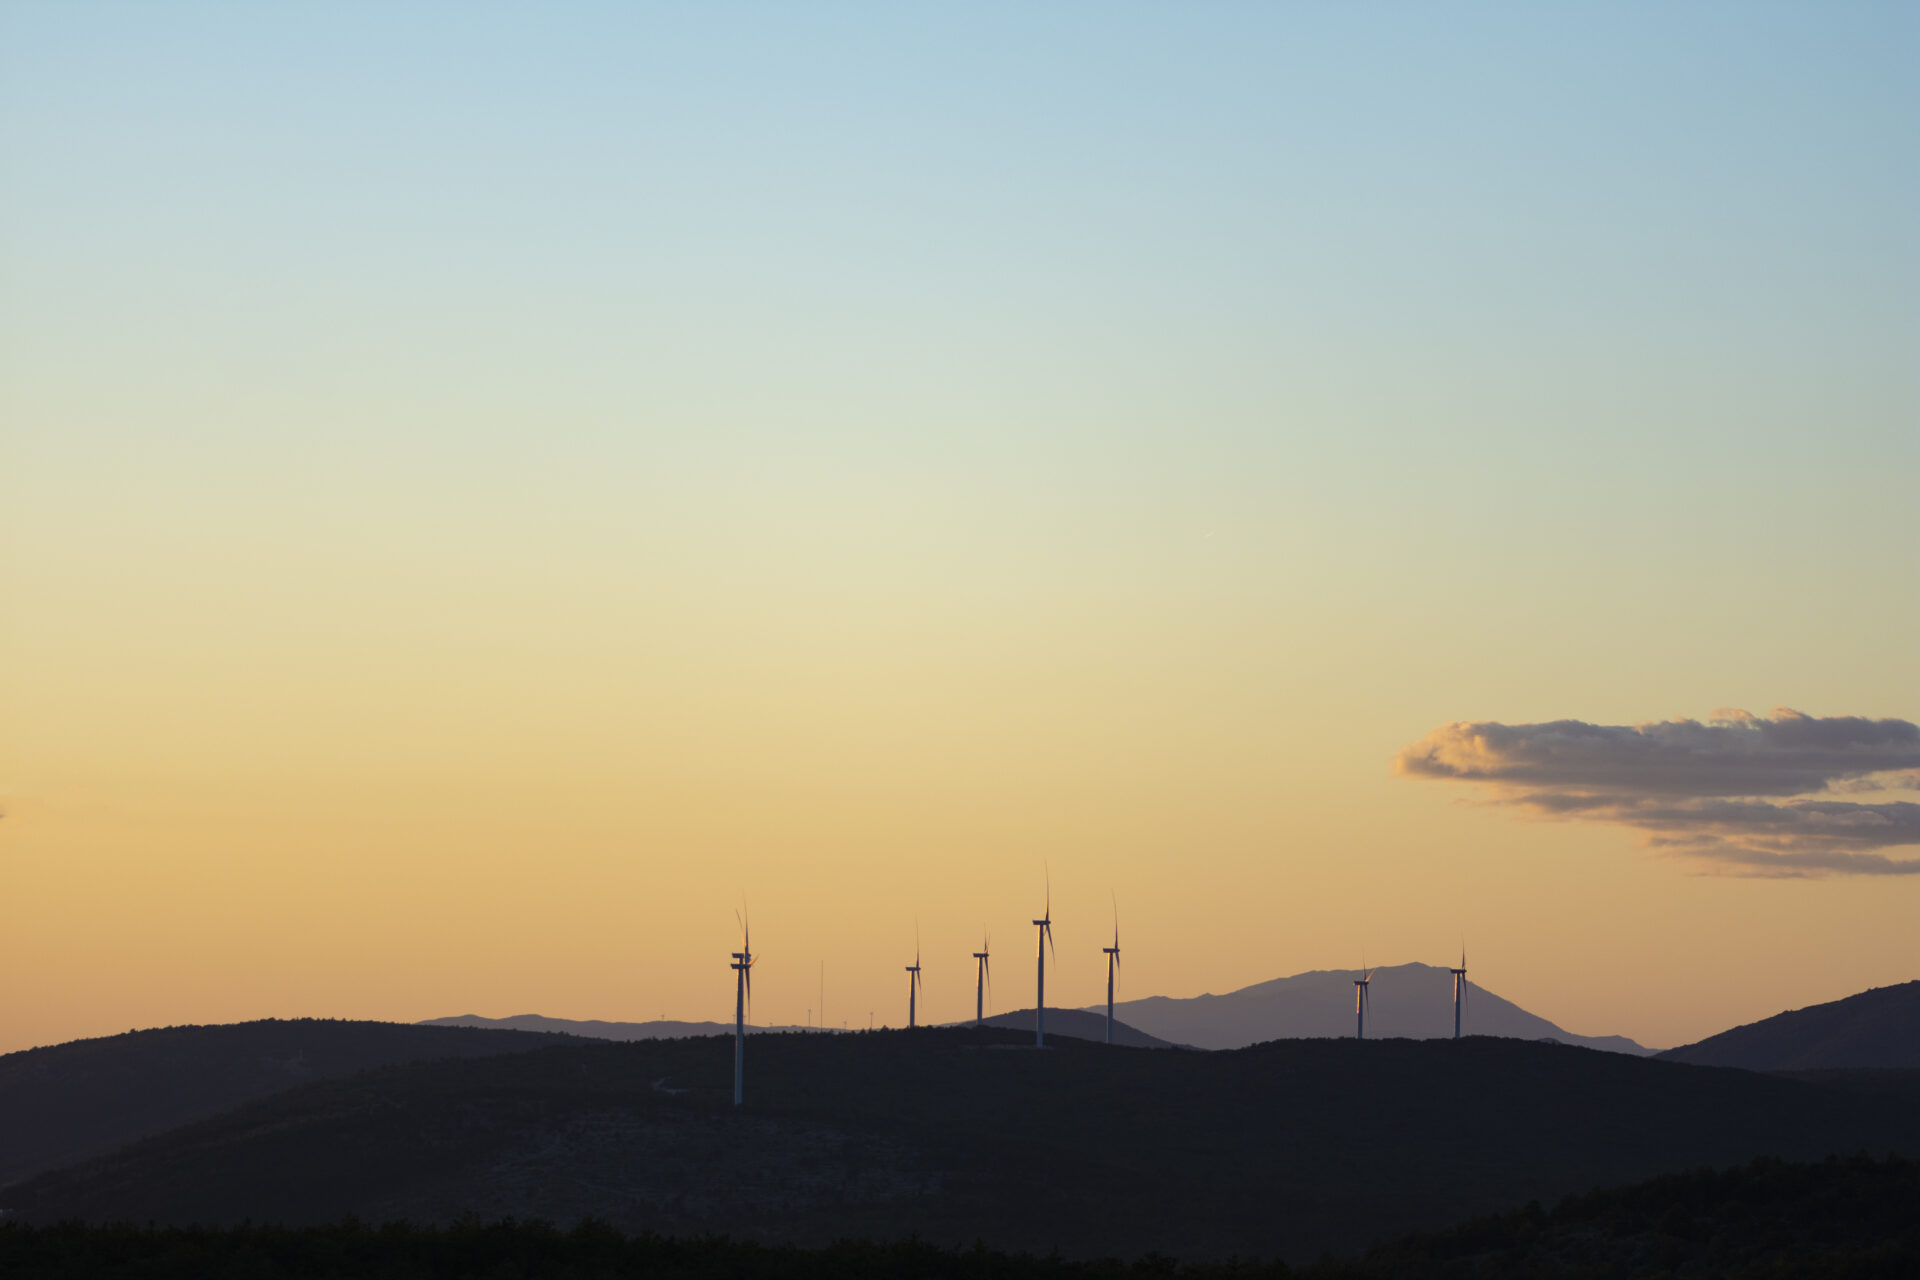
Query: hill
[[1078, 1023], [1879, 1028], [1414, 1001], [67, 1102], [1292, 1148], [1065, 1022]]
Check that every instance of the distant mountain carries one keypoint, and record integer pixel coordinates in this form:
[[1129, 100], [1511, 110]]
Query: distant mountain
[[1414, 1001], [1877, 1028], [68, 1102], [596, 1029], [1065, 1022], [1291, 1148]]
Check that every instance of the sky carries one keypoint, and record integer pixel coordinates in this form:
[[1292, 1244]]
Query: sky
[[485, 490]]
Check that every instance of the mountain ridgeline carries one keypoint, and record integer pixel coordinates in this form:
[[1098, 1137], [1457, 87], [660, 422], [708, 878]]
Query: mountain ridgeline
[[1876, 1029]]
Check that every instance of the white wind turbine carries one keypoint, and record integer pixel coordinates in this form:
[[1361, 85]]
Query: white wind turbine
[[1113, 963], [1360, 1001], [982, 980], [1459, 990], [913, 981], [1043, 943], [742, 995]]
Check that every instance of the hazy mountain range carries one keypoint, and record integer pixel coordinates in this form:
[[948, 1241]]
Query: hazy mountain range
[[1411, 1001]]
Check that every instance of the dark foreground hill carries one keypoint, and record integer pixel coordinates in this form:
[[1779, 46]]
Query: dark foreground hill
[[1879, 1028], [1843, 1217], [1290, 1149], [70, 1101]]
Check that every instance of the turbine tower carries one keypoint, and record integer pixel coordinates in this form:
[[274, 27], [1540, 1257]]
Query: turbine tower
[[1043, 942], [742, 994], [1360, 1001], [1113, 963], [913, 981], [1459, 990], [981, 980]]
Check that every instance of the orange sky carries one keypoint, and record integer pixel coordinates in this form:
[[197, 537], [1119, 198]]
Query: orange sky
[[462, 530]]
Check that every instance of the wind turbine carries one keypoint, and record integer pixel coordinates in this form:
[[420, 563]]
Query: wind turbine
[[742, 994], [1360, 1001], [982, 980], [913, 980], [1459, 990], [1042, 944], [1113, 963]]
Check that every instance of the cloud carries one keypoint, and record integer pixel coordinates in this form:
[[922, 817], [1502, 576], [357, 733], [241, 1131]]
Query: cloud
[[1749, 795]]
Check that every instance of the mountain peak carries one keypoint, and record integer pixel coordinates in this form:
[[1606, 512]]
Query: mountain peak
[[1411, 1000]]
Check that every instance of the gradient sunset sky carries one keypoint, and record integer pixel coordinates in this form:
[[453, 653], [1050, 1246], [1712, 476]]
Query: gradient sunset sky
[[482, 488]]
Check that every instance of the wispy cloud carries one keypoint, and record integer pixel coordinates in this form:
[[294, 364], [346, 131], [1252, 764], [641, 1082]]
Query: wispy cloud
[[1750, 795]]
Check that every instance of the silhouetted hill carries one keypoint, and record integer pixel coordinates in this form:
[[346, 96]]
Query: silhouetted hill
[[1877, 1028], [67, 1102], [1293, 1148], [1077, 1023], [1407, 1000]]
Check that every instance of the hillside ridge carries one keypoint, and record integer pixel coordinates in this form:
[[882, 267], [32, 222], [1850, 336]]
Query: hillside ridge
[[1878, 1028]]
